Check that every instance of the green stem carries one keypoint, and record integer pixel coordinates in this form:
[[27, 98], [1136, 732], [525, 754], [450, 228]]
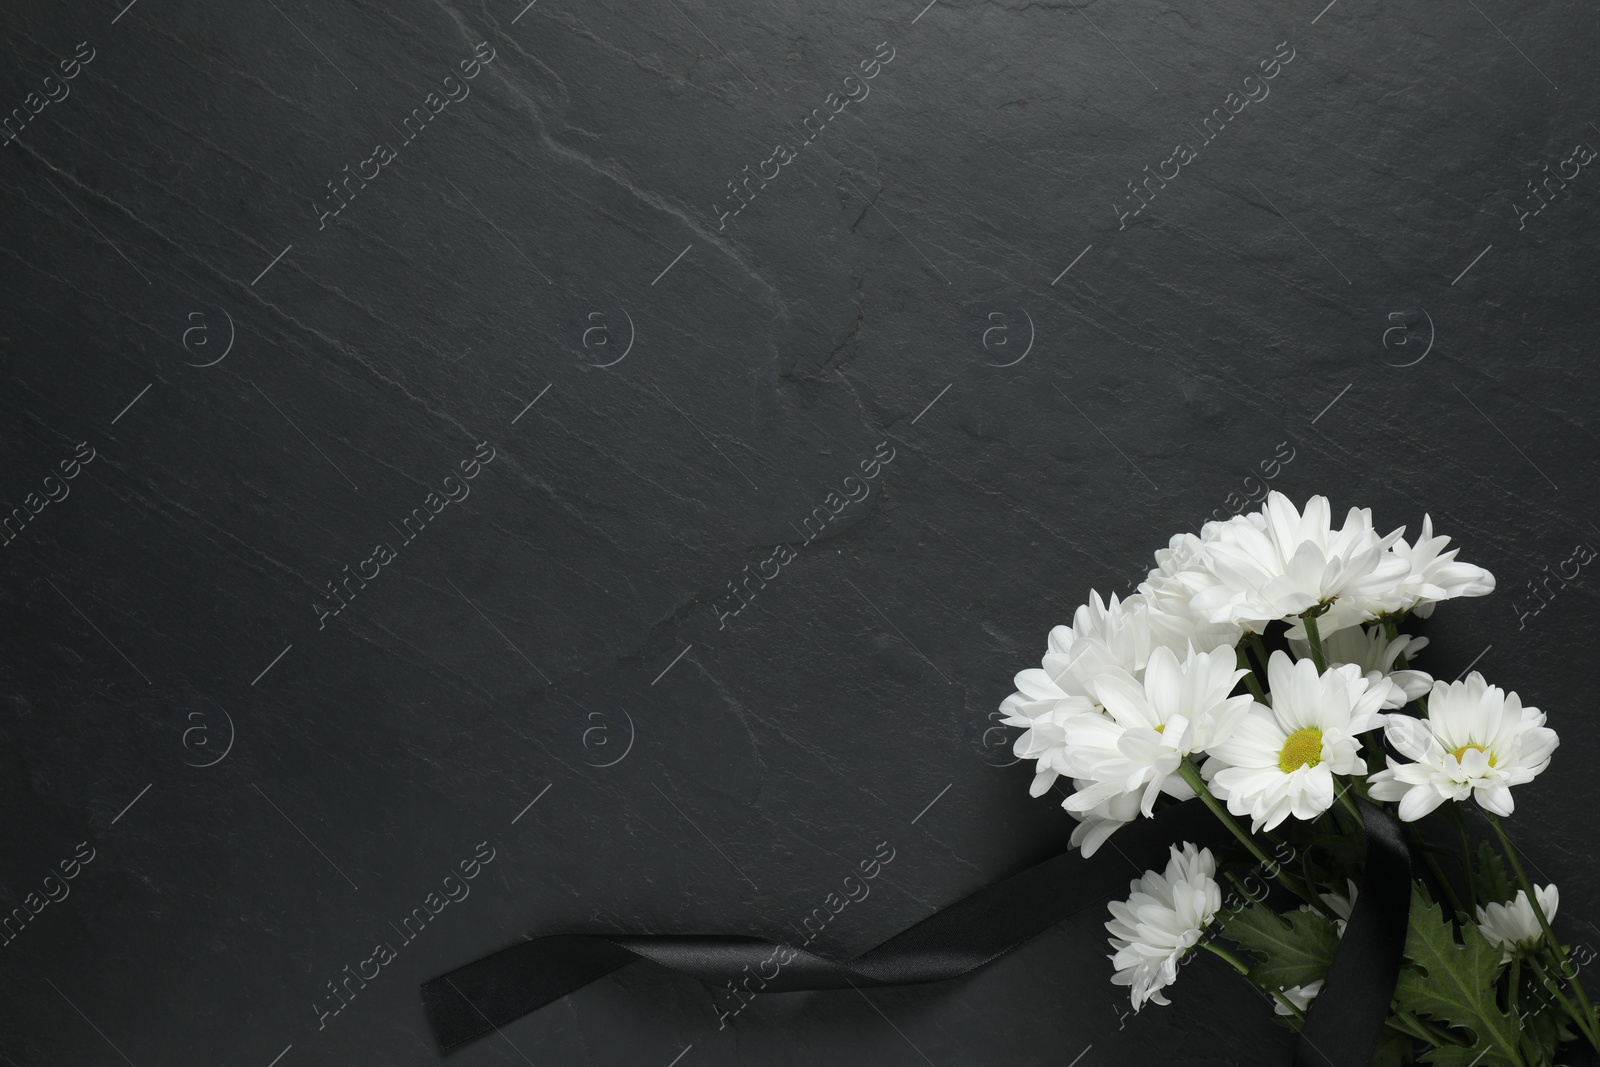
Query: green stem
[[1585, 1023], [1237, 884], [1415, 838], [1391, 630], [1239, 966], [1294, 1010], [1342, 817], [1514, 986], [1191, 774], [1586, 1017], [1250, 676], [1466, 854], [1522, 879], [1350, 805], [1260, 649], [1314, 639], [1216, 949]]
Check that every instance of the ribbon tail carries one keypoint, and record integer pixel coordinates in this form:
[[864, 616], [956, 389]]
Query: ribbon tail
[[477, 999], [1346, 1020]]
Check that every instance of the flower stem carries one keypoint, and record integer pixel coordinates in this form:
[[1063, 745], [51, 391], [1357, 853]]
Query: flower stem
[[1260, 649], [1294, 1010], [1191, 774], [1350, 805], [1584, 1015], [1585, 1023], [1216, 949], [1391, 630], [1466, 854], [1514, 984], [1250, 675], [1314, 639], [1415, 837]]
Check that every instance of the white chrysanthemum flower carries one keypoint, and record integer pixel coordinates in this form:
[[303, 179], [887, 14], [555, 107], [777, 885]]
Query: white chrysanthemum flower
[[1432, 575], [1300, 996], [1100, 822], [1291, 561], [1513, 927], [1280, 761], [1369, 649], [1162, 919], [1150, 726], [1120, 635], [1339, 905], [1170, 588], [1041, 706], [1477, 741]]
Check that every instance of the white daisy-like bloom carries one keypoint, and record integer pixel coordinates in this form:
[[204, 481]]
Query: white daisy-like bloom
[[1280, 760], [1150, 726], [1122, 634], [1041, 706], [1513, 927], [1375, 654], [1338, 905], [1100, 822], [1288, 562], [1477, 741], [1300, 996], [1104, 635], [1162, 919], [1170, 588], [1432, 575], [1101, 635]]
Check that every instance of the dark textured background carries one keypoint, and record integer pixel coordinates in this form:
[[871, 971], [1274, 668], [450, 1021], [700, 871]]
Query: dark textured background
[[520, 642]]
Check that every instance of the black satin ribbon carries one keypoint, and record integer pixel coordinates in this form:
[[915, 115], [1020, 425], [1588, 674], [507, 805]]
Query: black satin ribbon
[[1342, 1029], [1343, 1025]]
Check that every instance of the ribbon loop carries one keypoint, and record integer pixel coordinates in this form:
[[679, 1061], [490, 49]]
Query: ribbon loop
[[1342, 1029]]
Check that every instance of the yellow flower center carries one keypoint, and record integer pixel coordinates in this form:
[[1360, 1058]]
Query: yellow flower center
[[1303, 748], [1161, 727], [1464, 749]]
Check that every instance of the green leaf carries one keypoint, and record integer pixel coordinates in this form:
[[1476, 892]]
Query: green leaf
[[1456, 986], [1540, 1035], [1394, 1049], [1346, 853], [1287, 950], [1494, 884], [1460, 1056]]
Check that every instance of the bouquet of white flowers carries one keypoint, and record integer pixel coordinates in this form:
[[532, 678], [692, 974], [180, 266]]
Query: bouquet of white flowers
[[1261, 668]]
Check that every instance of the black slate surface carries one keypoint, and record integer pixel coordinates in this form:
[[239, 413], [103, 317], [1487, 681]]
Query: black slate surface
[[543, 266]]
